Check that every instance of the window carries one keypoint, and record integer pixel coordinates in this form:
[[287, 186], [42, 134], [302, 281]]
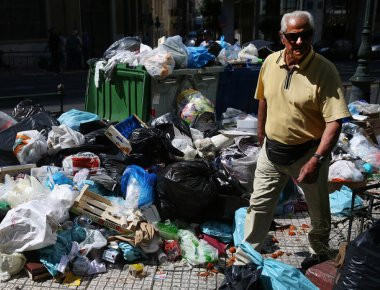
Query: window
[[22, 19]]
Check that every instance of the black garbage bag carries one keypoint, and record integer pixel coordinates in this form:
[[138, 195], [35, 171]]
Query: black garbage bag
[[87, 127], [41, 121], [165, 123], [114, 164], [361, 268], [25, 109], [186, 190], [153, 144], [98, 137], [227, 184], [245, 277], [126, 43]]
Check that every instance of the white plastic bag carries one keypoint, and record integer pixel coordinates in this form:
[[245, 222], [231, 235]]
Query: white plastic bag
[[73, 163], [61, 137], [29, 146], [32, 225], [159, 63], [344, 170], [177, 49], [360, 146], [10, 265], [22, 190], [94, 240]]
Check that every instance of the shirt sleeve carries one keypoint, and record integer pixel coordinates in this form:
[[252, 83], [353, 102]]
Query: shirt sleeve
[[259, 94], [333, 104]]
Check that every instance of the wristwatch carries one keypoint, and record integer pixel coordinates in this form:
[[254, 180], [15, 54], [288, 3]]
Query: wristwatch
[[320, 158]]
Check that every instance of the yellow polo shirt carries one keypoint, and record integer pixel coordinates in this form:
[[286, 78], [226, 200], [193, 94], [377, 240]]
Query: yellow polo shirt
[[300, 102]]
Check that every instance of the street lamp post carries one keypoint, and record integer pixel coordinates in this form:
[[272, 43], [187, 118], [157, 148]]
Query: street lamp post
[[361, 80]]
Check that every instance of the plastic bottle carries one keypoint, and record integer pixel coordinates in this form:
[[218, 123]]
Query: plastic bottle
[[162, 257]]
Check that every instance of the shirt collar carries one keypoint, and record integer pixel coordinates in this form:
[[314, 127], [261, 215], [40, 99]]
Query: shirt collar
[[301, 66]]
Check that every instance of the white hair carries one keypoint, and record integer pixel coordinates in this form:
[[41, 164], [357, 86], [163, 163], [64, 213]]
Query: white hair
[[296, 14]]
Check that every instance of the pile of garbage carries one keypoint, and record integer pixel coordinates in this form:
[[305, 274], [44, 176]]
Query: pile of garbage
[[171, 54]]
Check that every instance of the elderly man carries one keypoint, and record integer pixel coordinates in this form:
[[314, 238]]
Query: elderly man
[[301, 105]]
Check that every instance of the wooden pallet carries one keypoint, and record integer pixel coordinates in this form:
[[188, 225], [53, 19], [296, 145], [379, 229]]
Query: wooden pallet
[[100, 210]]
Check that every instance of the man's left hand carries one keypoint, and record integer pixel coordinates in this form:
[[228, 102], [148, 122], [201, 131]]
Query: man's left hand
[[309, 172]]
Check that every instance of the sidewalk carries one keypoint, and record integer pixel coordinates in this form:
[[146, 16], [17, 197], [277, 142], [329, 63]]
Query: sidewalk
[[295, 249]]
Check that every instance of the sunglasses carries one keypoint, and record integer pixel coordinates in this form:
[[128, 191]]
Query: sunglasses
[[294, 36]]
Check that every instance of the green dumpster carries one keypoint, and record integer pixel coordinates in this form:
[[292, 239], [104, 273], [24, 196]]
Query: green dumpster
[[133, 91], [126, 94]]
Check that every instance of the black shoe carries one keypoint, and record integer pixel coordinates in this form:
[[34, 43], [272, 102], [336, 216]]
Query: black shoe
[[313, 260]]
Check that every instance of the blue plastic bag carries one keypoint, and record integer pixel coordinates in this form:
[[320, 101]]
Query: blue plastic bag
[[239, 223], [132, 254], [340, 201], [74, 118], [138, 186], [198, 56], [51, 256], [57, 178], [218, 230], [275, 274]]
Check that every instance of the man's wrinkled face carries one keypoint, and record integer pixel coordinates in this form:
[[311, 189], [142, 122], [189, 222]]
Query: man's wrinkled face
[[297, 38]]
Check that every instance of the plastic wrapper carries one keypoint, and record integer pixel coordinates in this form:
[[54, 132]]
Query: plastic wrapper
[[41, 122], [198, 57], [187, 190], [29, 146], [275, 274], [32, 225], [58, 178], [241, 277], [22, 190], [73, 163], [196, 252], [74, 118], [344, 170], [220, 231], [125, 44], [137, 186], [361, 268], [177, 49], [340, 201], [191, 103], [172, 250], [11, 265], [6, 121], [61, 137], [167, 230], [221, 247], [26, 109], [159, 63]]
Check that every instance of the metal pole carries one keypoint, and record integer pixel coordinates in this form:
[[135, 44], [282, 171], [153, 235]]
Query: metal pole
[[361, 80]]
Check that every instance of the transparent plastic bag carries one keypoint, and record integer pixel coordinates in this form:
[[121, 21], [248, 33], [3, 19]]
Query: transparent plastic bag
[[159, 63], [94, 240], [177, 49], [196, 252], [360, 146], [125, 44], [344, 170]]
